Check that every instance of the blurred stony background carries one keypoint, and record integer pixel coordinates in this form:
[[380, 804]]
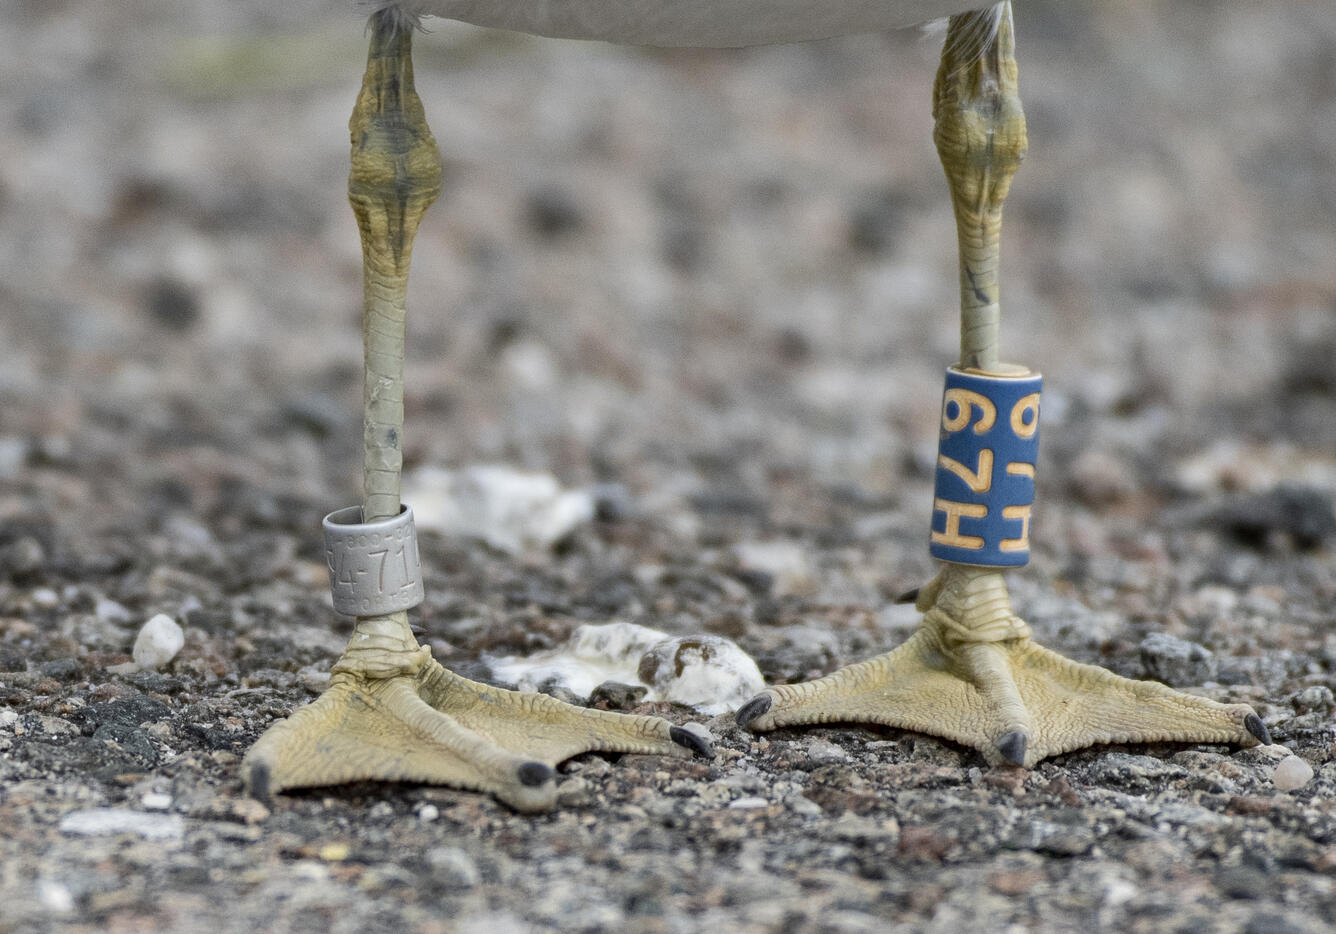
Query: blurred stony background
[[719, 285]]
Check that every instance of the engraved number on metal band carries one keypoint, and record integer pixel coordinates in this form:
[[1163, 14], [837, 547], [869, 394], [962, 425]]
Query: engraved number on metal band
[[374, 567]]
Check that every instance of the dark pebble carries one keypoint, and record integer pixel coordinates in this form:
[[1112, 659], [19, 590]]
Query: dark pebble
[[553, 212], [612, 502], [128, 712], [1176, 661], [609, 595], [156, 682], [62, 669], [172, 305], [1306, 515], [22, 559], [1242, 882], [211, 621], [613, 695], [876, 221], [132, 741], [552, 689], [1267, 923], [83, 756], [12, 659], [729, 503], [760, 583]]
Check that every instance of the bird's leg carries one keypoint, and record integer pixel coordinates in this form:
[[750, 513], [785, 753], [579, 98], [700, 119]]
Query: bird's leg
[[391, 712], [972, 673]]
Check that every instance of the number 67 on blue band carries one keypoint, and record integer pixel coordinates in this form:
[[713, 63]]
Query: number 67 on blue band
[[986, 457]]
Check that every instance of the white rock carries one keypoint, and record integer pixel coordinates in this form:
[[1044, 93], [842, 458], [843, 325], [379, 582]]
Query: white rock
[[155, 801], [822, 753], [508, 509], [742, 804], [786, 563], [110, 611], [1292, 773], [158, 642], [55, 896], [99, 821], [452, 867], [802, 805]]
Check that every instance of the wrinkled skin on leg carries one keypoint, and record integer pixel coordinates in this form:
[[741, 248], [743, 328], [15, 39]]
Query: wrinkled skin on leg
[[391, 713], [971, 673]]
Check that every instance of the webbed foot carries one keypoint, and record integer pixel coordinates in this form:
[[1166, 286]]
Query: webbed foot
[[435, 726], [972, 674]]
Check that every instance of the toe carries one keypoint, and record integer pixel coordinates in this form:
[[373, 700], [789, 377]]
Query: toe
[[1012, 747], [754, 708], [698, 744], [1254, 725], [534, 774], [258, 782]]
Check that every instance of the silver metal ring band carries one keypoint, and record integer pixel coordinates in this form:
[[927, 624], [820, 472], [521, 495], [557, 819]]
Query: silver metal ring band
[[373, 566]]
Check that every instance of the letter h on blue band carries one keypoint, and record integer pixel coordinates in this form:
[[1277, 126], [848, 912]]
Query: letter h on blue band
[[985, 469]]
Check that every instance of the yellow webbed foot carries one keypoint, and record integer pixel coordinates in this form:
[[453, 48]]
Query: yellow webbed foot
[[437, 727], [972, 674]]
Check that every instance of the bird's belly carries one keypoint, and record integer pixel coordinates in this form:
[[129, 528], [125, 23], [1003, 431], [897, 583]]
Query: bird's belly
[[706, 23]]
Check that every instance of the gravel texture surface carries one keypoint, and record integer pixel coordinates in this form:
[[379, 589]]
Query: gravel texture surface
[[719, 286]]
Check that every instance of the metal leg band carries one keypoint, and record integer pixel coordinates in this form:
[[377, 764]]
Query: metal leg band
[[373, 566], [985, 468]]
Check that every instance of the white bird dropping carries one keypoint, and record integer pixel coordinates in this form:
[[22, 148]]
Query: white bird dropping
[[706, 672], [158, 642]]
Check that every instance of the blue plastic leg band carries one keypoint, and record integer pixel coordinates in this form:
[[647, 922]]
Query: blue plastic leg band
[[985, 468]]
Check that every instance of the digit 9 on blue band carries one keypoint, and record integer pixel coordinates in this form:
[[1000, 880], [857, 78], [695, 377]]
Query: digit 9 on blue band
[[985, 468]]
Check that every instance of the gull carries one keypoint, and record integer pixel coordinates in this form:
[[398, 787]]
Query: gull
[[971, 673]]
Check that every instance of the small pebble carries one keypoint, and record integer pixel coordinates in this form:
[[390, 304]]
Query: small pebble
[[746, 803], [55, 897], [1292, 773], [452, 868], [94, 822], [155, 801], [110, 611], [158, 642], [428, 813], [803, 806], [334, 852]]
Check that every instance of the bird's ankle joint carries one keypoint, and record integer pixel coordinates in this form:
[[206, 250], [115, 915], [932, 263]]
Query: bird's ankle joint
[[975, 628], [378, 663]]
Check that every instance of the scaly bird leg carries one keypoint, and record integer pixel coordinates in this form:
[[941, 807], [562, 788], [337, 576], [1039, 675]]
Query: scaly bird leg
[[392, 713], [971, 673]]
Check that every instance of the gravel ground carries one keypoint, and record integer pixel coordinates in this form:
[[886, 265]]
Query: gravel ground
[[721, 285]]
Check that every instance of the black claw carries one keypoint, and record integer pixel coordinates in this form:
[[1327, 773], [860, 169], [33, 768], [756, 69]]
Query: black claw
[[909, 596], [417, 629], [533, 774], [698, 744], [1012, 746], [1254, 725], [752, 709], [258, 783]]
